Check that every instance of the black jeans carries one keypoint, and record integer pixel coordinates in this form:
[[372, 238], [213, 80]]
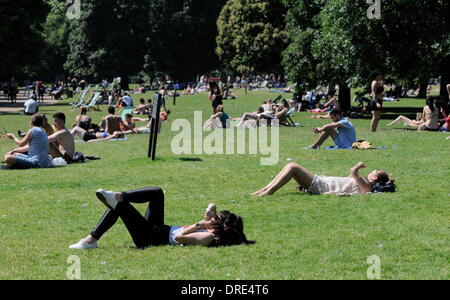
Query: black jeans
[[148, 230]]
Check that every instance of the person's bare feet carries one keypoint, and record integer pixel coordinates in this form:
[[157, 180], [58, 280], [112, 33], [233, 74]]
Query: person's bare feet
[[260, 191]]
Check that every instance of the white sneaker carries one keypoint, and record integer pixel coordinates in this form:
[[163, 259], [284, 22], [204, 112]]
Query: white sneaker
[[107, 197], [82, 245], [310, 147]]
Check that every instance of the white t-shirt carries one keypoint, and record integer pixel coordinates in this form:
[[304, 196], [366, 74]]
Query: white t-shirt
[[30, 106], [174, 230], [334, 186]]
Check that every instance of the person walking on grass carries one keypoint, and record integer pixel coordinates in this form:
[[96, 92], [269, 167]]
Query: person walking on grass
[[341, 131], [222, 229], [376, 181]]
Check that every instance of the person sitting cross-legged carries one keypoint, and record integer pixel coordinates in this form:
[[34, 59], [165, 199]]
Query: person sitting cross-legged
[[38, 145], [341, 131]]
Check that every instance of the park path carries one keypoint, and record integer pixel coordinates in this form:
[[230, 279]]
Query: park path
[[7, 107]]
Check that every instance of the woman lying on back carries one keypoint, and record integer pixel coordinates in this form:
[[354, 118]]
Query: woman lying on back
[[377, 181]]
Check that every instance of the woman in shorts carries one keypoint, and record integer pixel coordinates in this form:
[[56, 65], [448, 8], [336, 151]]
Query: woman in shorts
[[376, 181]]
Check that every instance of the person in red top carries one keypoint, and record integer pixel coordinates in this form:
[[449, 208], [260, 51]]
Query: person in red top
[[446, 126]]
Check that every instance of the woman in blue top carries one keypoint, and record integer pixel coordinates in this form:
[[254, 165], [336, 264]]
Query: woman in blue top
[[37, 140]]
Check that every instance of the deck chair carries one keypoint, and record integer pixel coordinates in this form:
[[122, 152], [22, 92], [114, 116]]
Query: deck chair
[[93, 102], [80, 99], [126, 110], [278, 99], [286, 119]]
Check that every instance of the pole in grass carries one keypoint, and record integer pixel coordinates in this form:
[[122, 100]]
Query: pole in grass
[[154, 127], [174, 95]]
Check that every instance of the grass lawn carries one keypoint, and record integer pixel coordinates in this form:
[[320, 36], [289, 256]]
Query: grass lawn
[[298, 236]]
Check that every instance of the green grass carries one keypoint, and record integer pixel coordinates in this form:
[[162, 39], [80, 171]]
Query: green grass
[[298, 236]]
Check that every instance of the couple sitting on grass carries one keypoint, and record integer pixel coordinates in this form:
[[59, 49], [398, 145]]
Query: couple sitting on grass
[[39, 146]]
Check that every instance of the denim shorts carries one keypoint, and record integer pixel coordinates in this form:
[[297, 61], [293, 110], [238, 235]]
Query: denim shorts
[[21, 161]]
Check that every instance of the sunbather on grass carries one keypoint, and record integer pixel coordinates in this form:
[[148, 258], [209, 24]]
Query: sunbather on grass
[[376, 181], [95, 137], [222, 229]]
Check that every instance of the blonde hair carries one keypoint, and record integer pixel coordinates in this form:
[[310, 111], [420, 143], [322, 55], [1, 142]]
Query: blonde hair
[[220, 108]]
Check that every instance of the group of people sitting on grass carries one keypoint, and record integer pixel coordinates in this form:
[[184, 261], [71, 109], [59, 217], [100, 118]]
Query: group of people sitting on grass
[[429, 119], [43, 143], [268, 111]]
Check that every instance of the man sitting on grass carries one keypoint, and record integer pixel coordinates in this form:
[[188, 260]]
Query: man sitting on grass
[[37, 141], [341, 130], [62, 143]]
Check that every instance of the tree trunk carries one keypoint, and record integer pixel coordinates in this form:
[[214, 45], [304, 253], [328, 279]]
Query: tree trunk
[[445, 79], [124, 82], [423, 84], [344, 98]]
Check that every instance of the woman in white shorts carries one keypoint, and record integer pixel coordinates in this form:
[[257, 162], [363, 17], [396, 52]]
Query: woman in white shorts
[[376, 181]]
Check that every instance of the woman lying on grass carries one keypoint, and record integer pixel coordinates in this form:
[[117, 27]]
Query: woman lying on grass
[[223, 229], [376, 181]]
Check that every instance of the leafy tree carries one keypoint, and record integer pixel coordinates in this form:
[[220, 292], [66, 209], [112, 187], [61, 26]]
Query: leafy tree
[[407, 43], [56, 35], [108, 40], [252, 35], [20, 36], [182, 38]]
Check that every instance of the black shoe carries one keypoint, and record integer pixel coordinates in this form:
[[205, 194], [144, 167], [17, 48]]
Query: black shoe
[[21, 134], [3, 167]]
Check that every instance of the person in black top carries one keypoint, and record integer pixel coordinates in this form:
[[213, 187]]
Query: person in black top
[[215, 95]]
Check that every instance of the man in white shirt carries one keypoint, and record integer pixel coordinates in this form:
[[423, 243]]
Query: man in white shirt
[[127, 100], [31, 106]]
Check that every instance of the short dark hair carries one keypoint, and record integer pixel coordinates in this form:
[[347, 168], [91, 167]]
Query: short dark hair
[[60, 116], [335, 112], [37, 120], [128, 116], [111, 110]]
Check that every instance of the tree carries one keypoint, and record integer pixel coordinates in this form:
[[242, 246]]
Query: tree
[[406, 43], [252, 35], [56, 35], [109, 39], [20, 36], [182, 37]]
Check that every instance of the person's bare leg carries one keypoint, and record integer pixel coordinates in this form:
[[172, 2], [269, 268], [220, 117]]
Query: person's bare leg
[[78, 132], [243, 119], [293, 170], [324, 136], [376, 116], [273, 181], [403, 119]]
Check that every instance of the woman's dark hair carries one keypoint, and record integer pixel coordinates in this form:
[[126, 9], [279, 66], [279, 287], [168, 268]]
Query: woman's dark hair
[[384, 184], [229, 230], [430, 103], [375, 74], [285, 103]]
